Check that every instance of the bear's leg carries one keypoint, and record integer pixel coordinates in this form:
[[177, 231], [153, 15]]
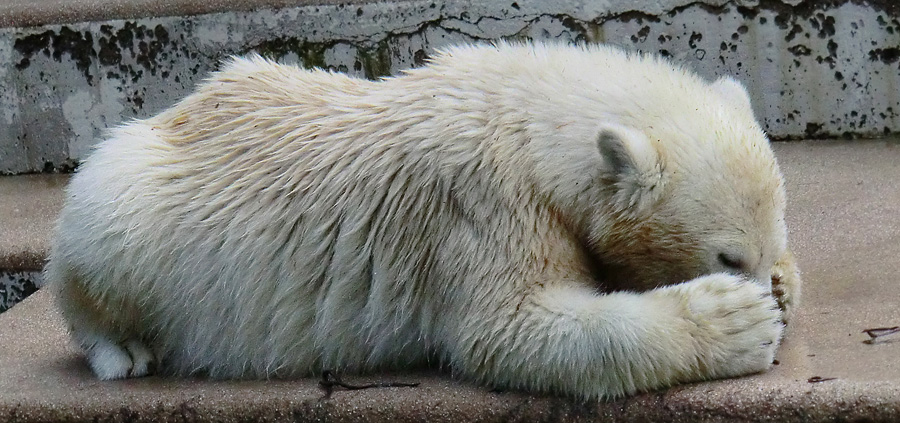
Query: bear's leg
[[786, 284], [568, 339], [110, 354]]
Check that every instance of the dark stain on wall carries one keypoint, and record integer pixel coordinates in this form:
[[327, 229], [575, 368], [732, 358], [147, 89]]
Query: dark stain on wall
[[887, 55], [374, 62], [78, 46], [145, 45]]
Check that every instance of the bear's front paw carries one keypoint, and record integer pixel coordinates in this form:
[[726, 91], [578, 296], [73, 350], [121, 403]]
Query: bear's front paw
[[734, 325], [786, 285]]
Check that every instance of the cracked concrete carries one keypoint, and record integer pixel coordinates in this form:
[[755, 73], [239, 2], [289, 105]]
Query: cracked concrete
[[815, 69]]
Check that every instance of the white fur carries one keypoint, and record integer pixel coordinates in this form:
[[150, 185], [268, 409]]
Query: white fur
[[475, 212], [107, 359]]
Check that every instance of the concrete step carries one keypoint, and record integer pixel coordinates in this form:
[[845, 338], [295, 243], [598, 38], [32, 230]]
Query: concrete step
[[70, 69], [28, 207], [842, 215]]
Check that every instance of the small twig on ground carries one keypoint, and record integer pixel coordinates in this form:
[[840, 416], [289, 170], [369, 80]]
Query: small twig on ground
[[819, 379], [876, 333], [330, 381]]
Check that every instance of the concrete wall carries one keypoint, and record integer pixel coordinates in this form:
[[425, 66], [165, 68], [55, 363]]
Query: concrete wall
[[815, 68], [15, 286]]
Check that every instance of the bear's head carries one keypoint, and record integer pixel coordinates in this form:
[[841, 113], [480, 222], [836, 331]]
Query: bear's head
[[686, 192]]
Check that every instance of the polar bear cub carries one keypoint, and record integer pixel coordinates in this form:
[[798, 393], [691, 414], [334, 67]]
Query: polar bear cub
[[568, 219]]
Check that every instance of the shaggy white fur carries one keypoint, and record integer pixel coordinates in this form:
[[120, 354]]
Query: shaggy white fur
[[563, 219]]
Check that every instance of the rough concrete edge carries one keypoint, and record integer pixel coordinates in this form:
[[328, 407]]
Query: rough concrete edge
[[71, 11], [451, 401], [16, 13], [22, 260]]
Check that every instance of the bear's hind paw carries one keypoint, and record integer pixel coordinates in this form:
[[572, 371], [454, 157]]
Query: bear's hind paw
[[111, 361]]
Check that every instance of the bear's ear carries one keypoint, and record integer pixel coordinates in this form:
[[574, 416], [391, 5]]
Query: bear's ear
[[631, 167], [733, 92]]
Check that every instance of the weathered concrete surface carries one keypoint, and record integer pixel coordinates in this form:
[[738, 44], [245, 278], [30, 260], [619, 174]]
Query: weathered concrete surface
[[29, 205], [842, 215], [25, 13], [814, 68]]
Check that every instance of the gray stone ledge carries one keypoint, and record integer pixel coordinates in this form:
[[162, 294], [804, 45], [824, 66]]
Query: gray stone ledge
[[842, 212], [29, 205], [25, 13]]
